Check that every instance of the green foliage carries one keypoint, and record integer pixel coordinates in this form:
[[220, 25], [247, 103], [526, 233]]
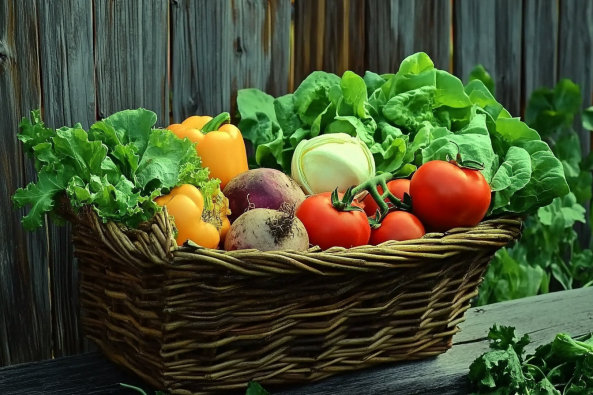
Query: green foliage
[[406, 119], [118, 167], [548, 256], [562, 367], [480, 73]]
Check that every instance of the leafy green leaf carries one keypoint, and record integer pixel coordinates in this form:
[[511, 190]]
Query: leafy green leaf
[[33, 132], [311, 97], [473, 142], [410, 109], [480, 73], [133, 126], [74, 149], [43, 195], [549, 111], [269, 154], [513, 175], [588, 118], [450, 91], [355, 93], [288, 119], [160, 165], [547, 180], [255, 389], [372, 81]]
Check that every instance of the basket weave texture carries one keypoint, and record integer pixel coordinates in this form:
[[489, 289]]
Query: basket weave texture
[[191, 320]]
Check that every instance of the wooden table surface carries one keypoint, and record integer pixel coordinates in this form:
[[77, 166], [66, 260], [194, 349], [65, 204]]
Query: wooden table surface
[[542, 317]]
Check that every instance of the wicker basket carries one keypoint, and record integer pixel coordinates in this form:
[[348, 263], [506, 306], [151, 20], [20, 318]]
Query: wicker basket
[[191, 320]]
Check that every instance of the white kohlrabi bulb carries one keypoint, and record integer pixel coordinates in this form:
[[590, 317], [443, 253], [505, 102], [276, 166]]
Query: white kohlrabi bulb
[[331, 161]]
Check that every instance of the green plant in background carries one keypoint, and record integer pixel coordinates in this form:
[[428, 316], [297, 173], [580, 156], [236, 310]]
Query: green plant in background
[[548, 256]]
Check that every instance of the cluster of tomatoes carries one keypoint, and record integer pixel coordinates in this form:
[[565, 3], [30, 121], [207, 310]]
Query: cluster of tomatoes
[[444, 196]]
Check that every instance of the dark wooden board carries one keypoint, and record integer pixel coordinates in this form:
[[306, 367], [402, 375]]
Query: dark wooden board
[[541, 316], [330, 36], [67, 75], [490, 33], [131, 48], [396, 29], [25, 326]]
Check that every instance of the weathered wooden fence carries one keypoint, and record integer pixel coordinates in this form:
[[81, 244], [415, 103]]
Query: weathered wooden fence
[[80, 60]]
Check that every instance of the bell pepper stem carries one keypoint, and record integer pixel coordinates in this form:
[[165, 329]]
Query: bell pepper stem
[[216, 122]]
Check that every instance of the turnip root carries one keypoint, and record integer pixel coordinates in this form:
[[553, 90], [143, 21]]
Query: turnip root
[[261, 188], [267, 230]]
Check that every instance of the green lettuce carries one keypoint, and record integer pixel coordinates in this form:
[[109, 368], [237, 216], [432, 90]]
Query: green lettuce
[[413, 116], [118, 167]]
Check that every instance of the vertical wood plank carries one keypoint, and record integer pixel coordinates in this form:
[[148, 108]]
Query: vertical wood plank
[[67, 76], [489, 33], [25, 330], [330, 36], [261, 45], [201, 58], [399, 28], [575, 56], [540, 43], [243, 44], [132, 56]]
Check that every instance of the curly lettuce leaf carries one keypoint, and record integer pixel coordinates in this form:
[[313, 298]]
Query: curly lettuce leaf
[[513, 175], [118, 168], [312, 96], [43, 195]]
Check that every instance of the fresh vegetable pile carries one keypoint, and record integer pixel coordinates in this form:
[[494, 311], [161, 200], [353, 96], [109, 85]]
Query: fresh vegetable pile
[[342, 162], [562, 367], [406, 120]]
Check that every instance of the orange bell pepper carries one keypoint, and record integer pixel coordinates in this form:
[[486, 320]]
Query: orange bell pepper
[[220, 145], [186, 204]]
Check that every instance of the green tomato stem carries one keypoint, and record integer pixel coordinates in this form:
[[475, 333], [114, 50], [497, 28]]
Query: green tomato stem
[[215, 123], [371, 186]]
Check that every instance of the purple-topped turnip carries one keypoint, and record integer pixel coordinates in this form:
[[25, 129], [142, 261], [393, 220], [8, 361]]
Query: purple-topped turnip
[[261, 188]]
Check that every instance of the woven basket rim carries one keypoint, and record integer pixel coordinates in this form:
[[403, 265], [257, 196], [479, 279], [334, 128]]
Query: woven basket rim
[[488, 235]]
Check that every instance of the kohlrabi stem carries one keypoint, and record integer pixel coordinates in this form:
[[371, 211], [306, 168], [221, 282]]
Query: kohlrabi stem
[[216, 122]]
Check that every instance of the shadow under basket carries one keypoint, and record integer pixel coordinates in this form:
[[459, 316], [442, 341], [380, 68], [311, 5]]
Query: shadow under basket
[[191, 320]]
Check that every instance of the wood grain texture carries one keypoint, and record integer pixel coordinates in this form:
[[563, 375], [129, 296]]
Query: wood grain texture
[[67, 77], [241, 44], [490, 33], [201, 57], [131, 39], [25, 329], [261, 45], [399, 28], [541, 316], [330, 36], [575, 59], [540, 45]]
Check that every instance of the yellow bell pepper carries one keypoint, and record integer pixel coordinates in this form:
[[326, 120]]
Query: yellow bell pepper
[[186, 204], [220, 145]]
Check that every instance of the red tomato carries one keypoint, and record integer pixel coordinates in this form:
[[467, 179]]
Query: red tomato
[[397, 187], [445, 196], [397, 225], [328, 227]]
